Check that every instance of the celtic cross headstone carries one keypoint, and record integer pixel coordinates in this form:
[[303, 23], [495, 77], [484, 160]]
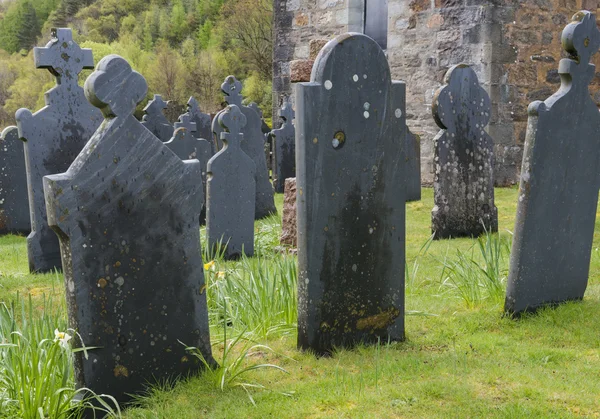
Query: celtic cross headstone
[[156, 121], [285, 148]]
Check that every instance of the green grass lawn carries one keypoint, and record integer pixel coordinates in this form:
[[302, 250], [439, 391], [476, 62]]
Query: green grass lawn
[[462, 358]]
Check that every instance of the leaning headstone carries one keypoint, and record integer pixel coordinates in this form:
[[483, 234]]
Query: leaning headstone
[[202, 121], [156, 121], [558, 194], [54, 136], [463, 184], [14, 204], [413, 166], [350, 127], [231, 191], [252, 144], [285, 148], [289, 231], [127, 215]]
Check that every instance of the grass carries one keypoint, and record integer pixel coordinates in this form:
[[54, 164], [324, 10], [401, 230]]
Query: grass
[[462, 359]]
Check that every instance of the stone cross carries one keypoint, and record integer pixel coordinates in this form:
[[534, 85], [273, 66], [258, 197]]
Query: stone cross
[[413, 166], [231, 191], [464, 158], [54, 136], [126, 213], [285, 148], [155, 120], [350, 128], [253, 145], [558, 193], [202, 121], [14, 204]]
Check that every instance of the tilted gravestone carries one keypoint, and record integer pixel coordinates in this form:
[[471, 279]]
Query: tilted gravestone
[[413, 166], [350, 128], [54, 136], [558, 194], [463, 182], [14, 204], [285, 148], [126, 213], [156, 121], [252, 144], [231, 191]]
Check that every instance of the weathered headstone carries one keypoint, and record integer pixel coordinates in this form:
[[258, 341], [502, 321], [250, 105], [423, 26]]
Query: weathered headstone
[[14, 203], [267, 137], [231, 190], [558, 194], [156, 121], [289, 230], [202, 121], [464, 158], [127, 214], [413, 166], [350, 128], [252, 144], [54, 136], [285, 148]]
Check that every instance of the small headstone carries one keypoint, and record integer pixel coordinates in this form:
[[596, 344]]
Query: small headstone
[[54, 136], [464, 158], [14, 204], [413, 166], [231, 191], [156, 121], [558, 194], [285, 148], [127, 214], [289, 231], [350, 128], [202, 121], [252, 144], [267, 137]]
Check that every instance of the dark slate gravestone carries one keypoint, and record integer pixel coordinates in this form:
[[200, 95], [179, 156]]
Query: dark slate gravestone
[[413, 166], [252, 144], [127, 214], [558, 194], [156, 121], [285, 148], [14, 204], [350, 129], [202, 121], [54, 136], [266, 136], [231, 190], [464, 158]]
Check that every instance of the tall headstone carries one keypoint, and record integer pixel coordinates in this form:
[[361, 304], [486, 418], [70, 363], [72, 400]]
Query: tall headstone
[[231, 190], [252, 144], [413, 166], [54, 136], [14, 203], [558, 193], [126, 213], [350, 128], [463, 183], [156, 121], [285, 148], [202, 121]]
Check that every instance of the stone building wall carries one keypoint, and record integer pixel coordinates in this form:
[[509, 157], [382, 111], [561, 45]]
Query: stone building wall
[[513, 45]]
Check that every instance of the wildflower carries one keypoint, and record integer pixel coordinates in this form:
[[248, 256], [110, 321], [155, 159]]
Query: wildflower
[[62, 338], [221, 274], [209, 265]]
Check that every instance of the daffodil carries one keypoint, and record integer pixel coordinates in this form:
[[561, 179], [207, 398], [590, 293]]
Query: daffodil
[[62, 338], [209, 265], [221, 274]]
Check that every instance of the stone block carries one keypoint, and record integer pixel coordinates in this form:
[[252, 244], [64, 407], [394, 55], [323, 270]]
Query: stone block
[[315, 46], [300, 70], [289, 235]]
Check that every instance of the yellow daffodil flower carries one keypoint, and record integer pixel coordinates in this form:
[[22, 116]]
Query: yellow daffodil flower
[[209, 265]]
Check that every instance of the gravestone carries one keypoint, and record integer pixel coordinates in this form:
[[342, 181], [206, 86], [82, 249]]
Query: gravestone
[[202, 121], [463, 182], [285, 148], [558, 193], [252, 144], [126, 213], [413, 166], [267, 137], [14, 204], [156, 121], [350, 128], [231, 190], [54, 136]]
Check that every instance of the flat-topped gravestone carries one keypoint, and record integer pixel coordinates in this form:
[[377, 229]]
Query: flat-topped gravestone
[[231, 191], [413, 166], [14, 204], [558, 194], [252, 144], [350, 128], [285, 148], [127, 214], [463, 182], [156, 121], [202, 121], [54, 136]]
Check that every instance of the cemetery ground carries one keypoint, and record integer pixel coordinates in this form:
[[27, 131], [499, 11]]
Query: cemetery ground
[[461, 358]]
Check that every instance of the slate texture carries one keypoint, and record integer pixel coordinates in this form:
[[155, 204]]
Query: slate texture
[[202, 121], [54, 136], [464, 158], [14, 203], [413, 166], [558, 193], [285, 148], [156, 121], [127, 214], [350, 128]]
